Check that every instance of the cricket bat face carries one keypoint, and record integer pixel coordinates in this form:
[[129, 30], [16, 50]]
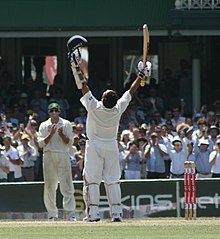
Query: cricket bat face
[[146, 42], [84, 63]]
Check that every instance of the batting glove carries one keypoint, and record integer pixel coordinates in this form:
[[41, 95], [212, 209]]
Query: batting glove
[[144, 71], [74, 57]]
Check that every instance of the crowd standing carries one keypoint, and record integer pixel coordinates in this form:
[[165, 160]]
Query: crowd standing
[[154, 137]]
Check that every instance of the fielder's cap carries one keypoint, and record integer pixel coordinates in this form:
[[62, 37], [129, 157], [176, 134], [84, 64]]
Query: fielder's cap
[[218, 141], [25, 136], [176, 139], [203, 141], [2, 147], [53, 106]]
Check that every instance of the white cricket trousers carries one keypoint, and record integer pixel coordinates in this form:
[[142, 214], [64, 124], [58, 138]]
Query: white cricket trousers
[[102, 163], [57, 167]]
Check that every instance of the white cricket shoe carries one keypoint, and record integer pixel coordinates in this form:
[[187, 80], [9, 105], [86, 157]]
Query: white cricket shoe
[[72, 219]]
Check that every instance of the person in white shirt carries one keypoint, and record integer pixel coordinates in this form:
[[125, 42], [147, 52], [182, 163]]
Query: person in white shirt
[[4, 166], [15, 174], [133, 160], [178, 155], [81, 118], [202, 152], [102, 153], [28, 155], [214, 159], [55, 137], [155, 153]]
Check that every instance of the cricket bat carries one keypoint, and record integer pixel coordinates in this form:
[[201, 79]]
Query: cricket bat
[[146, 42]]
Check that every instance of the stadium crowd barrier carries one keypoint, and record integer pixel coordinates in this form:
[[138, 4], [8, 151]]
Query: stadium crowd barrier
[[140, 199]]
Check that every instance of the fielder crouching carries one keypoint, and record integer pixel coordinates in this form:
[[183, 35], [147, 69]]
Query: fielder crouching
[[101, 156]]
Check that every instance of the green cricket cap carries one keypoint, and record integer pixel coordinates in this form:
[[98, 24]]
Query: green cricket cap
[[53, 106]]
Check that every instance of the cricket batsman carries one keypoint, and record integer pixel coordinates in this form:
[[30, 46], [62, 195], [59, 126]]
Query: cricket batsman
[[102, 154]]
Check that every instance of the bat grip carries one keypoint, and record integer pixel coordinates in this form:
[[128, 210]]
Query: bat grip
[[142, 83]]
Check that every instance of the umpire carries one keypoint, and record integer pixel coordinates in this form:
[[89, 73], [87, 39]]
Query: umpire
[[55, 137]]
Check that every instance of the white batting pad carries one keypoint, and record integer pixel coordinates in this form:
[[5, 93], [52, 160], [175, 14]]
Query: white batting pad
[[113, 192], [93, 200]]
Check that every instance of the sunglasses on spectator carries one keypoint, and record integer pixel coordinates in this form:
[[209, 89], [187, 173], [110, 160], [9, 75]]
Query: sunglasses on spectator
[[53, 110]]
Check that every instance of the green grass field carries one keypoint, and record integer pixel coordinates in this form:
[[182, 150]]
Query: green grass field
[[129, 229]]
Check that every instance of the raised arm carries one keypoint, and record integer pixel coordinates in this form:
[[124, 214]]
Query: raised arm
[[85, 88], [135, 85]]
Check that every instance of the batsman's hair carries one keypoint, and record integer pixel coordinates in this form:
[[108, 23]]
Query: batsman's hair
[[110, 99]]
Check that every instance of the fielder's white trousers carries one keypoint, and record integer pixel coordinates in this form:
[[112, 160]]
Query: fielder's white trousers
[[57, 167]]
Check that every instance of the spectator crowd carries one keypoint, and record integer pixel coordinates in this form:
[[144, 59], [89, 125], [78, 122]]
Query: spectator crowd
[[154, 139]]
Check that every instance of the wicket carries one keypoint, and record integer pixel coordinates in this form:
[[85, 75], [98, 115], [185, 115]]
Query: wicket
[[190, 190]]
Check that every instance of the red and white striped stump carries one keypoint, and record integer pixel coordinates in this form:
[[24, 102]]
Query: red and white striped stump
[[190, 190]]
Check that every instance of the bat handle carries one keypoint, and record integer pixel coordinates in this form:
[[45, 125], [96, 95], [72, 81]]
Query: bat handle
[[142, 83]]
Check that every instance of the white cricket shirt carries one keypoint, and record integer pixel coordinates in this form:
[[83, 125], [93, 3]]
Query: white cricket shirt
[[216, 166], [103, 123], [5, 162], [13, 153]]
